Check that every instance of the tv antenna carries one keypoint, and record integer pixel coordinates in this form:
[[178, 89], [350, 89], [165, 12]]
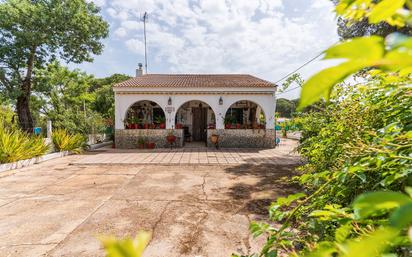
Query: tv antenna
[[144, 19]]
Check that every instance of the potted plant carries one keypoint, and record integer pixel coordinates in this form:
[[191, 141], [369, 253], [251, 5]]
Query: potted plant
[[161, 120], [228, 122], [140, 143], [179, 125], [150, 145], [214, 138], [133, 122], [171, 138]]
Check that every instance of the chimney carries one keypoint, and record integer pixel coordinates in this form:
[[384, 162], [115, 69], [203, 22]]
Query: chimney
[[139, 70]]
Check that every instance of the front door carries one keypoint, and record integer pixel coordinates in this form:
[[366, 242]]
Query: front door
[[199, 123]]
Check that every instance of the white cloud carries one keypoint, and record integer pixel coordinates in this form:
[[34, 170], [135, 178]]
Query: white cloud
[[267, 38], [135, 45], [99, 3]]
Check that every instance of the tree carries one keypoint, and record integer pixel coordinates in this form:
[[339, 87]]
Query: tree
[[104, 95], [348, 28], [285, 107], [64, 97], [34, 33]]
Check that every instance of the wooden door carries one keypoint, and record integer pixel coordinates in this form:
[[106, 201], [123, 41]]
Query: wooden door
[[199, 123]]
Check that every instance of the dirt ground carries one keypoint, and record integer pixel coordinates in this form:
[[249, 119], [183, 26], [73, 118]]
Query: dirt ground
[[59, 209]]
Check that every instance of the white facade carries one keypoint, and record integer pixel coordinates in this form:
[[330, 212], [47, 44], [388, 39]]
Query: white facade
[[127, 96]]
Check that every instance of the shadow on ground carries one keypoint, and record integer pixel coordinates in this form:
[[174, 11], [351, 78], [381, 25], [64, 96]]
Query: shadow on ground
[[272, 179]]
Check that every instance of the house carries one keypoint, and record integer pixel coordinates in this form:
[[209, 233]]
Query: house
[[239, 108]]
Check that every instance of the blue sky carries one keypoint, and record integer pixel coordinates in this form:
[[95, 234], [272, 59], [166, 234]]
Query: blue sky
[[265, 38]]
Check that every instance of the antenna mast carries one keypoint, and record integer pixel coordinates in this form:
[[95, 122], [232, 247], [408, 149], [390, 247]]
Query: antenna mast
[[144, 19]]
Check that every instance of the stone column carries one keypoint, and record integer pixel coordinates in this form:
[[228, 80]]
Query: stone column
[[49, 129]]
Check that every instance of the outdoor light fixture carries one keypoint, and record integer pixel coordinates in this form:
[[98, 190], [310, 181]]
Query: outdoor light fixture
[[220, 101], [169, 102]]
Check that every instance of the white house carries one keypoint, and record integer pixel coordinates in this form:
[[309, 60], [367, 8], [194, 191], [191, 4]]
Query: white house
[[239, 108]]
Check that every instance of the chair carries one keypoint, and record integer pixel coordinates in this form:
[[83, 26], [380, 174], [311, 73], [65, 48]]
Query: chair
[[186, 134]]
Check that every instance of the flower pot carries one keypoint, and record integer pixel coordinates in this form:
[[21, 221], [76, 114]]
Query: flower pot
[[150, 145], [162, 126], [127, 126], [238, 126], [133, 126], [171, 139], [140, 146], [146, 126], [179, 126], [228, 126], [214, 139]]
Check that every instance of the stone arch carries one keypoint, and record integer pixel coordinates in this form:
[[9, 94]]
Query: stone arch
[[145, 111], [251, 107], [195, 117]]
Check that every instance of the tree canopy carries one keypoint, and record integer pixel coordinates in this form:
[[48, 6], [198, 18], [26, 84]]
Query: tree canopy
[[34, 33]]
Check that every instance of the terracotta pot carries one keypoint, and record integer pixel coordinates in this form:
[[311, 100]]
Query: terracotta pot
[[228, 126], [140, 146], [146, 126], [171, 139], [214, 139], [238, 126], [127, 126], [133, 126], [162, 126], [179, 126], [150, 145]]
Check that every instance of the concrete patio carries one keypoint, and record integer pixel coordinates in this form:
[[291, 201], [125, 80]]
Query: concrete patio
[[60, 207]]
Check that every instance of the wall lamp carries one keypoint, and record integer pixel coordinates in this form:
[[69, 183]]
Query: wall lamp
[[220, 101], [169, 101]]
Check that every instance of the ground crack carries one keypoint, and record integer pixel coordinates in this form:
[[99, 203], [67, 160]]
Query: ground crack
[[154, 227], [190, 240], [247, 237], [204, 185]]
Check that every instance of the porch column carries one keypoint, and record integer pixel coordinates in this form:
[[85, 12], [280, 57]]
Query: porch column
[[170, 119]]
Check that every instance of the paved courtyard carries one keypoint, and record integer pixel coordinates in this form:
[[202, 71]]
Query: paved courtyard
[[192, 208]]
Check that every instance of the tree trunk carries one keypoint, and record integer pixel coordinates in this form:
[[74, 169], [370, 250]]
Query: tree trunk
[[23, 100], [23, 112]]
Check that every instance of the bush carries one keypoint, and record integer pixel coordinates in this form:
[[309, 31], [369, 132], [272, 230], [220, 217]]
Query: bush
[[16, 145], [65, 141]]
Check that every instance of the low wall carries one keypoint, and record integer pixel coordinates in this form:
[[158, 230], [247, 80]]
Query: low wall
[[127, 138], [243, 138]]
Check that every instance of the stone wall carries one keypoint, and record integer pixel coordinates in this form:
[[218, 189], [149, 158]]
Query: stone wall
[[243, 138], [127, 138]]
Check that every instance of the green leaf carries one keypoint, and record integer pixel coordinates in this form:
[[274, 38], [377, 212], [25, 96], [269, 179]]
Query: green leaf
[[385, 9], [366, 204], [321, 83], [401, 217], [343, 232], [126, 247], [359, 48], [370, 245]]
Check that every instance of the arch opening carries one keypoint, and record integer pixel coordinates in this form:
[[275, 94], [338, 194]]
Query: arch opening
[[245, 114], [145, 114], [195, 117]]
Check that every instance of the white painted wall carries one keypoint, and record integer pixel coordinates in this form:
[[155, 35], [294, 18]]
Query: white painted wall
[[125, 97]]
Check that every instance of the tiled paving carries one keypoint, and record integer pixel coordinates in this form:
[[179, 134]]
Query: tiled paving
[[189, 155]]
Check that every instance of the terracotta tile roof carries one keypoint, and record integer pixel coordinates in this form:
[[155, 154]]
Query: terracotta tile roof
[[195, 80]]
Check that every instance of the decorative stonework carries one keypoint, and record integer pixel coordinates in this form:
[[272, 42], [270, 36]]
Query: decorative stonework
[[243, 138], [128, 138]]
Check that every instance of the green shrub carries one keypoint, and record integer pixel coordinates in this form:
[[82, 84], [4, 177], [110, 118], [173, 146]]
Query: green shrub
[[65, 141], [16, 145]]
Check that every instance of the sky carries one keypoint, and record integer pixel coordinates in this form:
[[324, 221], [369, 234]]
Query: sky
[[264, 38]]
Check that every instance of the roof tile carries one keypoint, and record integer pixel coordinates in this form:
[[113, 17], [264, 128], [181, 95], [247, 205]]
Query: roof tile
[[195, 80]]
